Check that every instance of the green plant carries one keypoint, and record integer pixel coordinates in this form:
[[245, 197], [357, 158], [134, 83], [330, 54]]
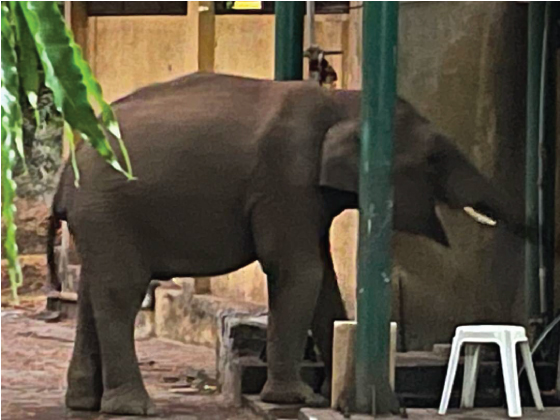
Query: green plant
[[34, 36]]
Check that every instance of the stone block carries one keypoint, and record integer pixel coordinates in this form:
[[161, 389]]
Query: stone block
[[343, 377], [344, 339], [242, 335], [183, 315]]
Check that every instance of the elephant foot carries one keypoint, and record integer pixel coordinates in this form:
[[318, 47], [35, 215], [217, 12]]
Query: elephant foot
[[82, 402], [128, 400], [84, 388], [292, 392], [326, 388]]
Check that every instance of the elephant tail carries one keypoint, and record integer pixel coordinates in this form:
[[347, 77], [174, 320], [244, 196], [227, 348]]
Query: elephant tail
[[54, 225], [58, 214]]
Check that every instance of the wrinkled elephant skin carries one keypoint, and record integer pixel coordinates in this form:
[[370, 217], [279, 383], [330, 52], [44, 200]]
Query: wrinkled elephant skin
[[232, 170]]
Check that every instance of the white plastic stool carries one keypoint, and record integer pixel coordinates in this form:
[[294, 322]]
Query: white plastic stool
[[506, 336]]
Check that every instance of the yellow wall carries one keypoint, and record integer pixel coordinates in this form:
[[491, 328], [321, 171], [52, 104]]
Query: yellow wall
[[128, 52], [245, 45]]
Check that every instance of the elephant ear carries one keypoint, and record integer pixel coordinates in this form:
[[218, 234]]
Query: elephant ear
[[340, 157]]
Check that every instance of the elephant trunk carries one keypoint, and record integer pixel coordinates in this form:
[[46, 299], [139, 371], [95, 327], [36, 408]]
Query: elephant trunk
[[460, 185]]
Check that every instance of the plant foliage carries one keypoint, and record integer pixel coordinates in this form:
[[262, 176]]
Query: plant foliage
[[34, 36]]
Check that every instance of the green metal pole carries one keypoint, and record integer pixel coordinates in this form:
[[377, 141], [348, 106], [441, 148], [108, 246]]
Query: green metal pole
[[532, 254], [380, 30], [288, 44], [548, 140]]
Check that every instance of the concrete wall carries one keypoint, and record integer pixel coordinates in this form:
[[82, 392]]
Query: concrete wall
[[127, 52], [463, 65]]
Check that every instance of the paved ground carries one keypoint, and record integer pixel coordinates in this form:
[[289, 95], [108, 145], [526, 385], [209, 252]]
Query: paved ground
[[35, 356]]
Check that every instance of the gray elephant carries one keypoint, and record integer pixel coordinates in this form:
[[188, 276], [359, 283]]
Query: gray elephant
[[231, 170]]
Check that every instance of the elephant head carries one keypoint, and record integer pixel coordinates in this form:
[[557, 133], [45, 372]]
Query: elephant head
[[427, 169]]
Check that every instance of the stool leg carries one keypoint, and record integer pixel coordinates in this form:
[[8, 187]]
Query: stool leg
[[470, 373], [511, 384], [450, 378], [528, 362]]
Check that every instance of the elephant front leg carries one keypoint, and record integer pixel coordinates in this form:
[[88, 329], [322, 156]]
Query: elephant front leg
[[85, 386], [287, 230], [293, 295]]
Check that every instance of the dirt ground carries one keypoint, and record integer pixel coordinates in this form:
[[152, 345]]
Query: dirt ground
[[35, 356]]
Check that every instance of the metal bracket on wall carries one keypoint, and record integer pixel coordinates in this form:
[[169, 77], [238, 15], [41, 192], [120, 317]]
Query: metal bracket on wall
[[319, 68]]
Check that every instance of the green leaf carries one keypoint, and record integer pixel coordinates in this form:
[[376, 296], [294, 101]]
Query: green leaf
[[95, 93], [11, 141], [70, 137], [10, 83], [8, 208], [61, 57], [38, 27], [28, 63]]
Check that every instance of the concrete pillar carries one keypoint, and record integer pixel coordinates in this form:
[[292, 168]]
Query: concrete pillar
[[353, 48], [558, 378], [206, 35], [343, 369], [344, 340]]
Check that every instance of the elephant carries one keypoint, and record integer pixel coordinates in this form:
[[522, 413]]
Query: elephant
[[231, 170]]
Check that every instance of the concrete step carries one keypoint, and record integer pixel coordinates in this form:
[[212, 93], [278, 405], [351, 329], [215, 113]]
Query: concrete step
[[183, 315], [420, 384]]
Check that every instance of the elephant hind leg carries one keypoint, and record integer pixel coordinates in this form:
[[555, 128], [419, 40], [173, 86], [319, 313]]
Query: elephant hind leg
[[85, 386], [118, 281]]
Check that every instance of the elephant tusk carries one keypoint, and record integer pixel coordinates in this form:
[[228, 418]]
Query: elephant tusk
[[479, 217]]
